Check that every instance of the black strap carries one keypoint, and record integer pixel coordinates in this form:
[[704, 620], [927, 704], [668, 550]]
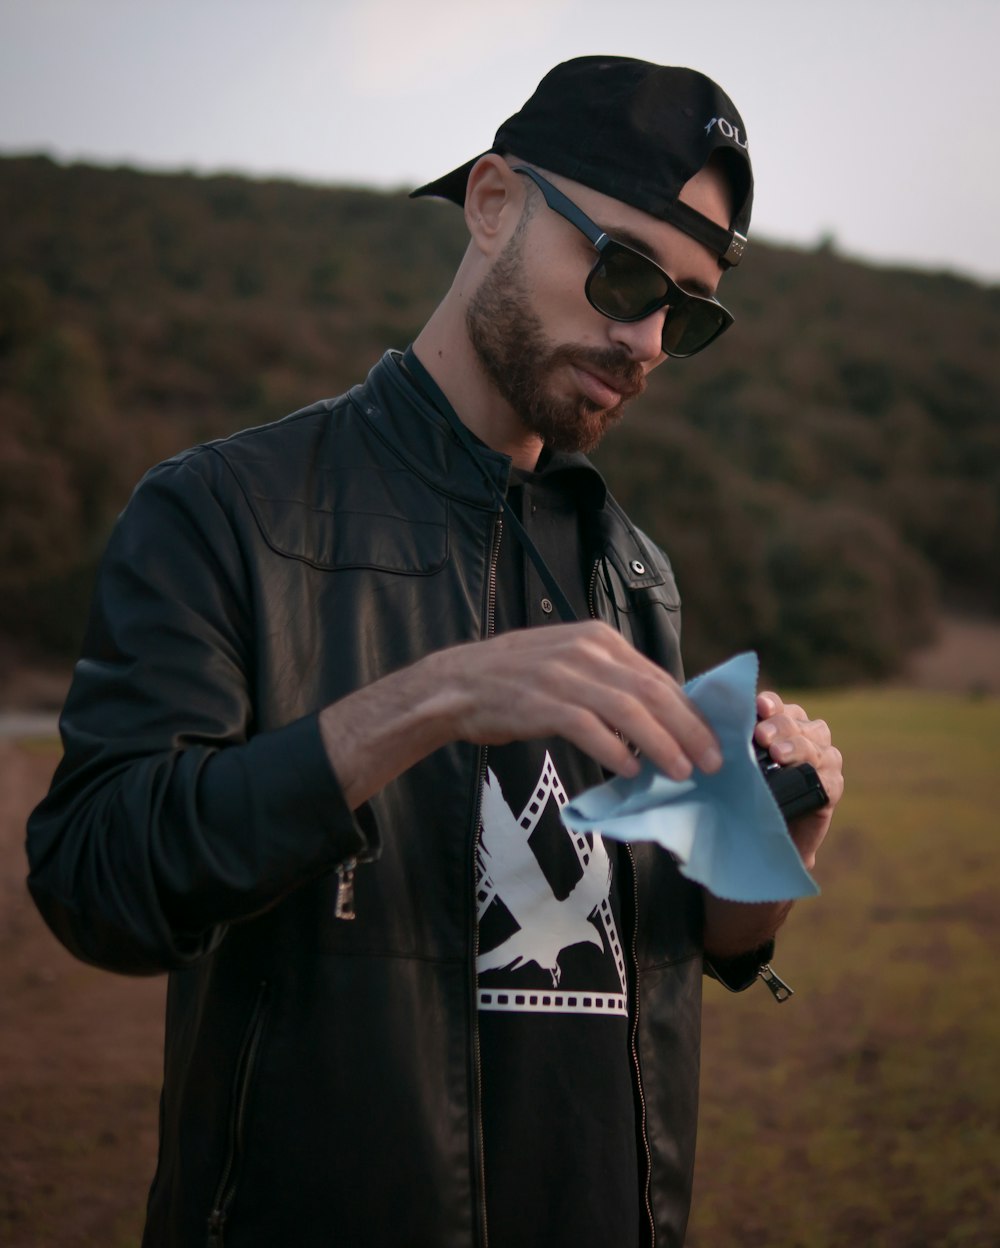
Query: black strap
[[432, 392], [728, 245]]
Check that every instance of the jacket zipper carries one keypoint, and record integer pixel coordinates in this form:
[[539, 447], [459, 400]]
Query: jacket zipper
[[634, 1042], [635, 1045], [591, 603], [226, 1190], [344, 905], [779, 989], [477, 1062]]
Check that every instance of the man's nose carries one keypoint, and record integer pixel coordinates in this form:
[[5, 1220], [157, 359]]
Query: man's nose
[[643, 340]]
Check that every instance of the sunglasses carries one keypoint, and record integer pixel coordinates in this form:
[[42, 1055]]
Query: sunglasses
[[625, 285]]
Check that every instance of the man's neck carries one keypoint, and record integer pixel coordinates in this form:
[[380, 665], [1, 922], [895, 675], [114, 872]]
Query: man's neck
[[444, 349]]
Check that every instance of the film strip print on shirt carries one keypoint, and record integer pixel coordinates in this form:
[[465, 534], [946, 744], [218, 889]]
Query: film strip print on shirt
[[555, 1001]]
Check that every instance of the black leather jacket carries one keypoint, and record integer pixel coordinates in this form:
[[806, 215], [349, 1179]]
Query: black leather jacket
[[321, 1080]]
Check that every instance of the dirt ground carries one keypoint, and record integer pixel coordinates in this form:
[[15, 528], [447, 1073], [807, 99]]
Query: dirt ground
[[80, 1049], [80, 1059]]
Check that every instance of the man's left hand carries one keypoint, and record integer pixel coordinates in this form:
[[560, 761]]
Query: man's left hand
[[792, 738]]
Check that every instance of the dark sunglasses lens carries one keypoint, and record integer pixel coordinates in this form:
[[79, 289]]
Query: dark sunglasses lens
[[625, 285], [692, 326]]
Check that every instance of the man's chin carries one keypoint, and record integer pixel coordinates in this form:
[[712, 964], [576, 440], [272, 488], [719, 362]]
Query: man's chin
[[582, 431]]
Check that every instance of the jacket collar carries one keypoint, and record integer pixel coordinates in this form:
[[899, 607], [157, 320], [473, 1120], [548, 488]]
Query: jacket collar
[[409, 419]]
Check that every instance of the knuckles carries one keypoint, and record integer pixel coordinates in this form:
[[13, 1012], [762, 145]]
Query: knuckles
[[649, 688], [833, 760]]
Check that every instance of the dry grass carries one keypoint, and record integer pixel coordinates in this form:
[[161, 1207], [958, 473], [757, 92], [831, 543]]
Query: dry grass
[[866, 1111]]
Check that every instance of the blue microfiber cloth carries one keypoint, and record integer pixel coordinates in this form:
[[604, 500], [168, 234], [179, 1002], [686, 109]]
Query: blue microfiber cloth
[[725, 830]]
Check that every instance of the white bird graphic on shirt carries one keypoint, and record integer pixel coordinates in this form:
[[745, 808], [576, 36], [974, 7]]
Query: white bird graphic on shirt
[[546, 925]]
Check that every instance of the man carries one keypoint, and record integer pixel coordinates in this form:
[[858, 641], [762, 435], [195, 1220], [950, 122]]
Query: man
[[327, 713]]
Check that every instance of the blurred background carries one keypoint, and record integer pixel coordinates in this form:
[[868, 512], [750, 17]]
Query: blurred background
[[205, 226]]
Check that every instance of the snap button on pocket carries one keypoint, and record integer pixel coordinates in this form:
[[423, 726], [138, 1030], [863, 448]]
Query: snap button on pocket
[[638, 567]]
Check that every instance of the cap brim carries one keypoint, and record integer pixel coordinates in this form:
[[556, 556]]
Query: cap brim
[[451, 186]]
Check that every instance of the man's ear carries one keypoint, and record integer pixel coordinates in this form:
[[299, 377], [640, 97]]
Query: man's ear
[[494, 199]]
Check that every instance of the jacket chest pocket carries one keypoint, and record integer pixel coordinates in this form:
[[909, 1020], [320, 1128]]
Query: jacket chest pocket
[[642, 602], [378, 519]]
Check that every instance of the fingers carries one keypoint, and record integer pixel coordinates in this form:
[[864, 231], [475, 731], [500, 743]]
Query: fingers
[[583, 682], [831, 771], [787, 726], [791, 737], [648, 708], [596, 738], [636, 702], [786, 730]]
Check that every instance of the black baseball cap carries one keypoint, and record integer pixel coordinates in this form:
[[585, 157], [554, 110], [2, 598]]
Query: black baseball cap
[[632, 130]]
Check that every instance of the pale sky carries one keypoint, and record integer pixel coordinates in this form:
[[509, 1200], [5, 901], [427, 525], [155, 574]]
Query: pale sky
[[875, 121]]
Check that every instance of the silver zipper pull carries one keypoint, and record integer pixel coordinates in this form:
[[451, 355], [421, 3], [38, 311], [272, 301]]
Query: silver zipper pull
[[344, 906], [777, 986]]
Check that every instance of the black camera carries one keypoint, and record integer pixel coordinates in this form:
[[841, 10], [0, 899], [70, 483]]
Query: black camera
[[797, 790]]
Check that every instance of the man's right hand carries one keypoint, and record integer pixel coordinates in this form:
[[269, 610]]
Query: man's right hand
[[583, 682]]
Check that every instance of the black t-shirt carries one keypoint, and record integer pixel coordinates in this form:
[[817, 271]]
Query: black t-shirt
[[555, 1038]]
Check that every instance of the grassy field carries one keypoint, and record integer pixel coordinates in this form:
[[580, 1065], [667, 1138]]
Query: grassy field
[[864, 1112]]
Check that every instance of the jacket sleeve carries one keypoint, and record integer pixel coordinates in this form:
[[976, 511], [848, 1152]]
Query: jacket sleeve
[[169, 816]]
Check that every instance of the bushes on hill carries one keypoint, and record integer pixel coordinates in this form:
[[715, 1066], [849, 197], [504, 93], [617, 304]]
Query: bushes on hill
[[819, 477]]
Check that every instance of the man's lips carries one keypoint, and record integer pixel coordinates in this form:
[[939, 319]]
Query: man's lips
[[603, 389]]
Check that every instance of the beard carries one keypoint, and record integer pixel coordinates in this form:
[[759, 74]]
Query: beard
[[510, 341]]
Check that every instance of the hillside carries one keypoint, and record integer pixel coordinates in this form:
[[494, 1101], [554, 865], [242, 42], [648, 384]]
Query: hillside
[[825, 479]]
